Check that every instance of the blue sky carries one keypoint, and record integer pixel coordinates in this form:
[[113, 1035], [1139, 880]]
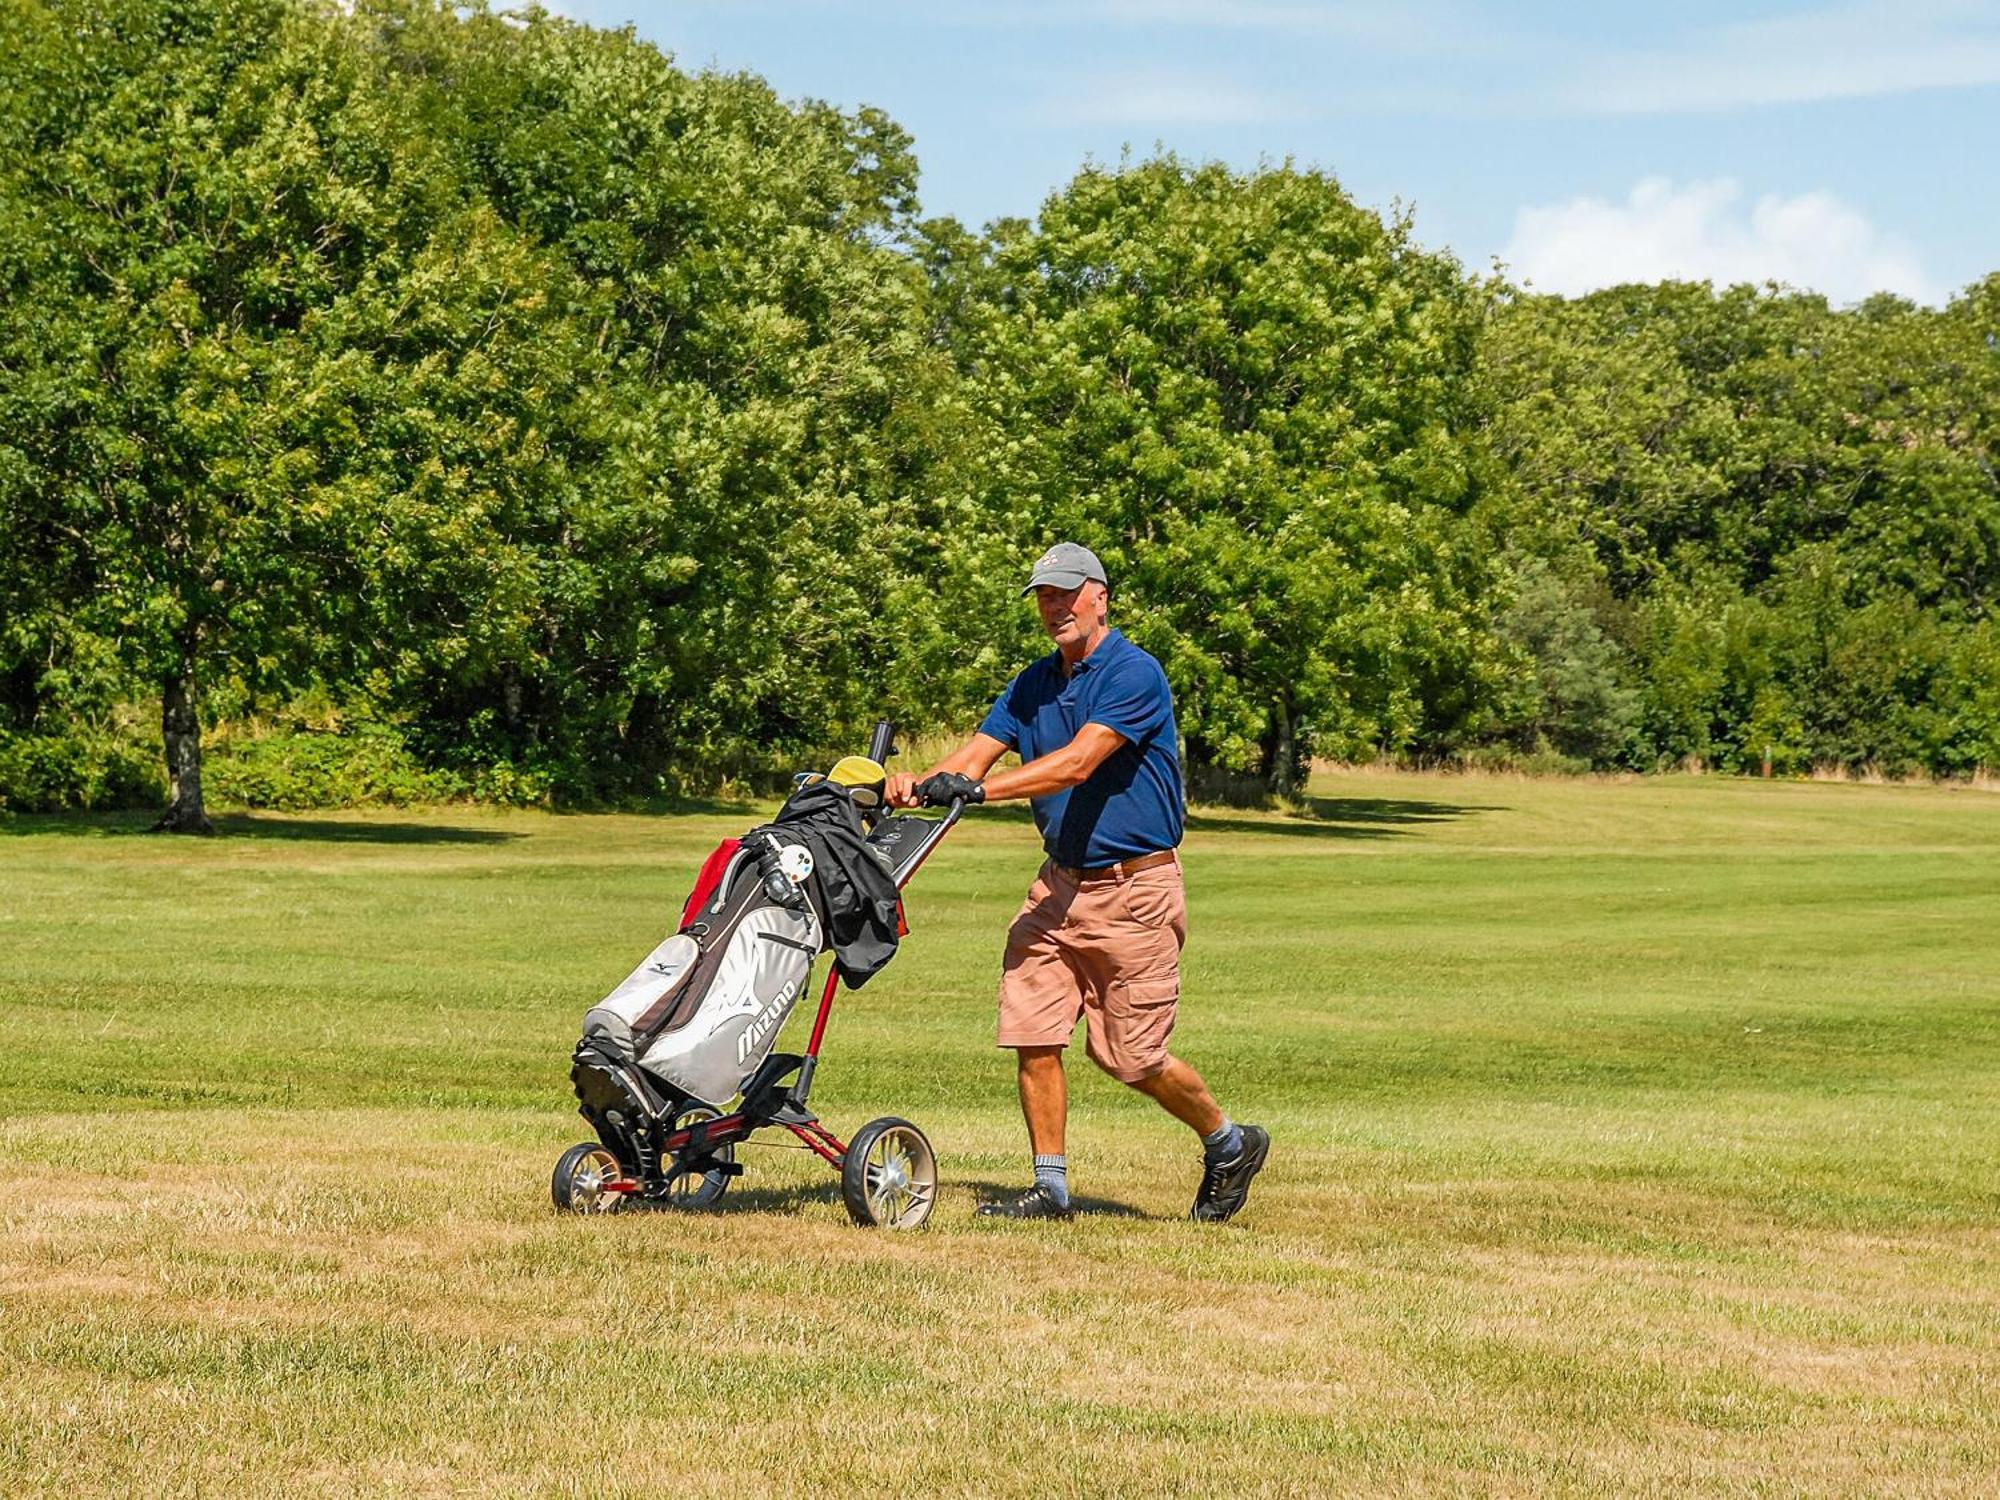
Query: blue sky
[[1849, 147]]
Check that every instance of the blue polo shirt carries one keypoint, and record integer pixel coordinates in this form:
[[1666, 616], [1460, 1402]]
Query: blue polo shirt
[[1132, 803]]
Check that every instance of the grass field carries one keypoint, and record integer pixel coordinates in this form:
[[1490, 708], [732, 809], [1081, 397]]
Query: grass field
[[1637, 1138]]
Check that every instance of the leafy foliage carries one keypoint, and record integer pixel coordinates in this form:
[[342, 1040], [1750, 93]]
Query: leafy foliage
[[1796, 512], [78, 769], [585, 428], [1251, 397]]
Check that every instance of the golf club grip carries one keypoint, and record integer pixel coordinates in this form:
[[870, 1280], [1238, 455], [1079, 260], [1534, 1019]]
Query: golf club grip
[[881, 744]]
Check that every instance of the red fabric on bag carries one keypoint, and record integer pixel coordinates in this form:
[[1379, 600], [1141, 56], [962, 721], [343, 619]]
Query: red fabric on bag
[[709, 878]]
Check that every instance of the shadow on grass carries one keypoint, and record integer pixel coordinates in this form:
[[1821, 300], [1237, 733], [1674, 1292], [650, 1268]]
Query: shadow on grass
[[1001, 1192], [779, 1200], [671, 807], [775, 1200], [1317, 817], [1343, 818], [253, 826], [332, 831]]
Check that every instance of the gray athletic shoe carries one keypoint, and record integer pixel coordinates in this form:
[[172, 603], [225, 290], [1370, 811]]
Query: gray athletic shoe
[[1225, 1184]]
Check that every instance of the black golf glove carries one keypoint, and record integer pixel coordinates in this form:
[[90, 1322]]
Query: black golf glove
[[948, 787]]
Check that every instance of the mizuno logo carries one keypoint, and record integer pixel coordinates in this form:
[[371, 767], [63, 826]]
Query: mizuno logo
[[767, 1021]]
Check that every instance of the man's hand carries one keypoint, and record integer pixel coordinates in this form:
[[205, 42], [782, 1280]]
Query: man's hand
[[968, 762], [943, 788]]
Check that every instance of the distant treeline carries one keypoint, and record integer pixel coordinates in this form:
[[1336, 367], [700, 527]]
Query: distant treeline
[[430, 402]]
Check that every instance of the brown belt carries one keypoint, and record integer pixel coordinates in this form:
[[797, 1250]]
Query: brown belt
[[1120, 870]]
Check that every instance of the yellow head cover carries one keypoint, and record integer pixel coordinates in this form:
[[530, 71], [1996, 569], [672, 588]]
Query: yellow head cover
[[862, 777]]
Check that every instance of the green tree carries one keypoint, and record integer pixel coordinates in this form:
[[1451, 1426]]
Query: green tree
[[491, 369], [1581, 707], [210, 177], [1795, 507], [731, 395], [1250, 396]]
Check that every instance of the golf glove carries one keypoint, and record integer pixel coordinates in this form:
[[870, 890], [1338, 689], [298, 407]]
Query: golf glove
[[948, 787]]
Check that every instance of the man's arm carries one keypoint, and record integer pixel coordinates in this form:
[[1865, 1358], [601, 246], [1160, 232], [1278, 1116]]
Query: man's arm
[[1058, 769], [974, 758]]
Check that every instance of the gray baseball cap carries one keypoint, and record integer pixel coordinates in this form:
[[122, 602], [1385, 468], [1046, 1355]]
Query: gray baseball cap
[[1066, 566]]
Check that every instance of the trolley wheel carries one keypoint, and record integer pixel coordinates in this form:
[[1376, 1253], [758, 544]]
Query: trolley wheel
[[889, 1175], [578, 1184], [701, 1181]]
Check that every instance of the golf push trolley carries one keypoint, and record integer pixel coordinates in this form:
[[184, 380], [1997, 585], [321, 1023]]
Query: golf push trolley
[[661, 1145]]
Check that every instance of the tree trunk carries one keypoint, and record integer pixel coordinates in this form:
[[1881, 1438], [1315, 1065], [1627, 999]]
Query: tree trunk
[[1285, 754], [1207, 781], [180, 731], [510, 700]]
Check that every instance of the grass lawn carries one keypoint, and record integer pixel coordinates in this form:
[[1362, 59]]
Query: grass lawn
[[1629, 1137]]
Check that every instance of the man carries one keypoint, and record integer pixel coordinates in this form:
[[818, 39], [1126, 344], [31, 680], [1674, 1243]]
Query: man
[[1101, 932]]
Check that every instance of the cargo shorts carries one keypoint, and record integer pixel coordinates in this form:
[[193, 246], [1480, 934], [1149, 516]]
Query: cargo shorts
[[1103, 945]]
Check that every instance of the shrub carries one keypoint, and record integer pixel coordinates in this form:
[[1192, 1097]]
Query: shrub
[[296, 768], [1583, 711], [77, 772]]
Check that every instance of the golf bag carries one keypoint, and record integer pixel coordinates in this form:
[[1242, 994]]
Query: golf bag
[[703, 1010]]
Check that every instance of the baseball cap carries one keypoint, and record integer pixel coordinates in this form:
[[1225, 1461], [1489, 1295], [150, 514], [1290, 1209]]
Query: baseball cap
[[1066, 566]]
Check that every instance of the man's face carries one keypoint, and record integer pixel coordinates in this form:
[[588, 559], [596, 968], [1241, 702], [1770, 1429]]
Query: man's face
[[1072, 615]]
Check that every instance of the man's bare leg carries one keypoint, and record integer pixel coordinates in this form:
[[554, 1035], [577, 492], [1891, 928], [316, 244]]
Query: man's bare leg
[[1178, 1089], [1045, 1106], [1044, 1098], [1229, 1161]]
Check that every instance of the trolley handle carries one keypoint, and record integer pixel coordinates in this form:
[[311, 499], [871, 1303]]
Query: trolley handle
[[933, 836], [882, 745]]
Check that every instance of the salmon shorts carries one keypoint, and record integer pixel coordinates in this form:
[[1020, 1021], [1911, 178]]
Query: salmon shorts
[[1106, 947]]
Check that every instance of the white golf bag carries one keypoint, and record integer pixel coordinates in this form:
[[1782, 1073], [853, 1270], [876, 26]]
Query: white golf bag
[[704, 1009]]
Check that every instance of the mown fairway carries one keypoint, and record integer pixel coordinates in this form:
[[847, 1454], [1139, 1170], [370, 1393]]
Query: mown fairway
[[1634, 1137]]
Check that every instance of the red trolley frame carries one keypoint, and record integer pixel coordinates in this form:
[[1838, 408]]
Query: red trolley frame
[[792, 1111]]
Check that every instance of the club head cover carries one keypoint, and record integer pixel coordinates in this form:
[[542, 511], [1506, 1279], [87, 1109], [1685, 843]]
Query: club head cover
[[864, 779]]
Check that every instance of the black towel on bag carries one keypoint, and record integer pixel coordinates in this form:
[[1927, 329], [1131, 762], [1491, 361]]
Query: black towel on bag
[[850, 882]]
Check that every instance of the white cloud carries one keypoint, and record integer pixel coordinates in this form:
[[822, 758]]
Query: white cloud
[[1702, 232], [1156, 96], [1866, 47]]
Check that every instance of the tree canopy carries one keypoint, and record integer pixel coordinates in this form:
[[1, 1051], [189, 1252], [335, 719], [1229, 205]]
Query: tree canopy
[[579, 426], [1781, 520]]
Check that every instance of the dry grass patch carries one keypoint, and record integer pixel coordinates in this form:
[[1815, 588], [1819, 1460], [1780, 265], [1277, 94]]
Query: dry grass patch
[[1630, 1138]]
